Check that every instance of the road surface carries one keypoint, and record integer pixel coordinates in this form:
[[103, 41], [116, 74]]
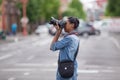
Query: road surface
[[31, 59]]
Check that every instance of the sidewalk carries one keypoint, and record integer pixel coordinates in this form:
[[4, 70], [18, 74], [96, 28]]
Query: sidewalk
[[12, 38]]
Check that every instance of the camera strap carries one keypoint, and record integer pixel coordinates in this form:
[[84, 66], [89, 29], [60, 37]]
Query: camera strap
[[75, 55]]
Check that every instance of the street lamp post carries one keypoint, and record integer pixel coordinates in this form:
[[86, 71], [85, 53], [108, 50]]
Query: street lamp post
[[24, 19]]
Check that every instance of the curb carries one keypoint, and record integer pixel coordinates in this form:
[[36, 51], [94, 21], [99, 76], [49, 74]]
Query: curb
[[11, 39]]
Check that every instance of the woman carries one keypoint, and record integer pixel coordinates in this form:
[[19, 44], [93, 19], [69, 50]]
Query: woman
[[68, 45]]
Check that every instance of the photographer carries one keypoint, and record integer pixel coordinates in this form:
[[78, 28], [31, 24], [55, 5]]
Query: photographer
[[68, 47]]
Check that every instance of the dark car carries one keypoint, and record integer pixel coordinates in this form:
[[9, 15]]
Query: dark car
[[86, 29]]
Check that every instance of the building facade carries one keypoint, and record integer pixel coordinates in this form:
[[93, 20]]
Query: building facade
[[10, 15]]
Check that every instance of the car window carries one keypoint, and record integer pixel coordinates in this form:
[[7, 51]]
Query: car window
[[82, 25]]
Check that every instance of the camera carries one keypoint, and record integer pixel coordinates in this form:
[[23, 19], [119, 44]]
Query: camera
[[61, 22]]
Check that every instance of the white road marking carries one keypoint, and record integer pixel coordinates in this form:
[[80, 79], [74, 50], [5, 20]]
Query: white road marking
[[115, 42], [84, 71], [6, 56], [49, 70], [36, 64], [108, 71], [47, 67], [18, 69], [12, 78], [31, 57], [41, 43], [88, 71], [27, 73], [95, 71]]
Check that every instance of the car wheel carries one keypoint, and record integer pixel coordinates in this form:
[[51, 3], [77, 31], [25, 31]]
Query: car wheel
[[85, 35], [37, 33], [97, 32]]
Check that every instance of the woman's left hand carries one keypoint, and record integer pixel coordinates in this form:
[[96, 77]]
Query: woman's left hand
[[58, 28]]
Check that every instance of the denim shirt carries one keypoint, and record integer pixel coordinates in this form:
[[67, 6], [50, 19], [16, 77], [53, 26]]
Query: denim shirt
[[67, 46]]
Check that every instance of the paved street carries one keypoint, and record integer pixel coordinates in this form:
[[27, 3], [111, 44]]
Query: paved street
[[31, 59]]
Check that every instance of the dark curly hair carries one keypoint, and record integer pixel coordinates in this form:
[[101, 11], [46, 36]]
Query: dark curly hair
[[74, 21]]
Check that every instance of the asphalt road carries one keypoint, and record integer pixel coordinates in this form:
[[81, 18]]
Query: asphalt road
[[31, 59]]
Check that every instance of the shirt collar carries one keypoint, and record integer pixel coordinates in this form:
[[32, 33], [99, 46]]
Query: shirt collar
[[72, 32]]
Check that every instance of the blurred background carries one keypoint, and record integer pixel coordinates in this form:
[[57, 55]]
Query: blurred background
[[25, 36], [28, 14]]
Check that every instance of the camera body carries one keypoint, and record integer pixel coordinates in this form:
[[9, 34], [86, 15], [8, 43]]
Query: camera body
[[61, 23]]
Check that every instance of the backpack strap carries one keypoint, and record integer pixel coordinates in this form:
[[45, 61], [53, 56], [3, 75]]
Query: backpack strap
[[75, 33], [75, 55], [76, 52]]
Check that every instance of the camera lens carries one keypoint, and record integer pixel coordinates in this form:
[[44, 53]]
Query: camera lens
[[61, 23]]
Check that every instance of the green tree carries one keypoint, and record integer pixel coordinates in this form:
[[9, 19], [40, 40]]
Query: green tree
[[0, 2], [32, 10], [112, 8], [41, 10], [48, 8], [75, 9]]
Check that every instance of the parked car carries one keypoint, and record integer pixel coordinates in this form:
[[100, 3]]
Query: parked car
[[38, 30], [52, 30], [41, 29], [86, 29]]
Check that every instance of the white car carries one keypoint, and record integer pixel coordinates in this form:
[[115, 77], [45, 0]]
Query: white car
[[41, 29]]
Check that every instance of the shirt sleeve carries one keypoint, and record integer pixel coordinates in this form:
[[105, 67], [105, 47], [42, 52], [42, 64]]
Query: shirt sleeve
[[60, 44]]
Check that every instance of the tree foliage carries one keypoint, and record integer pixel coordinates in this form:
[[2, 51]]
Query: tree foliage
[[48, 8], [0, 5], [0, 2], [75, 9], [41, 10], [113, 8]]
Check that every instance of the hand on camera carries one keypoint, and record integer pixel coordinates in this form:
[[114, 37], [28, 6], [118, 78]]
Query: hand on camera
[[58, 28]]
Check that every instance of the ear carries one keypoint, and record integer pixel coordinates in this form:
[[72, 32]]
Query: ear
[[72, 25]]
